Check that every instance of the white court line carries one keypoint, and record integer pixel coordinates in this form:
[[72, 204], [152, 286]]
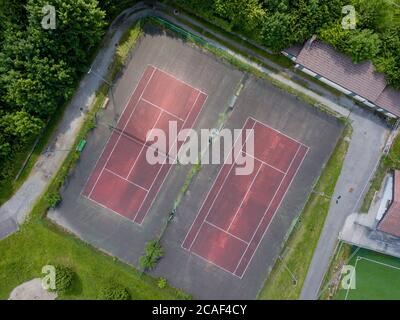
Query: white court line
[[354, 274], [183, 125], [284, 134], [107, 208], [109, 138], [378, 262], [181, 81], [224, 231], [245, 195], [142, 144], [130, 116], [221, 187], [273, 216], [121, 177], [295, 155], [263, 162], [255, 230], [258, 226], [162, 109], [209, 191], [141, 150], [214, 264]]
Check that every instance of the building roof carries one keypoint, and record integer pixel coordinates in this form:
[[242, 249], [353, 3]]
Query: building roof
[[339, 68], [389, 100], [390, 222], [359, 78], [294, 50]]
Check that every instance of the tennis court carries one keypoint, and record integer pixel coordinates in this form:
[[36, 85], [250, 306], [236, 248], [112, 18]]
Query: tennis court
[[123, 181], [239, 208]]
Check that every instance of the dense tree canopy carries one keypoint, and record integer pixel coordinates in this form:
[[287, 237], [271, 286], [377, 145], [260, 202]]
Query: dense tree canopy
[[40, 67], [278, 24]]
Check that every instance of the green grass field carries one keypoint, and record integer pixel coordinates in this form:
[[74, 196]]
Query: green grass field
[[377, 277]]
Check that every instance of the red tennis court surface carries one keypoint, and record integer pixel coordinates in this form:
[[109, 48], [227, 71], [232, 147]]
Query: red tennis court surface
[[123, 180], [239, 208]]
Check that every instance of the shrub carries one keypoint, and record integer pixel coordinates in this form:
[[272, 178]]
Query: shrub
[[162, 283], [114, 291], [53, 199], [64, 278], [152, 254]]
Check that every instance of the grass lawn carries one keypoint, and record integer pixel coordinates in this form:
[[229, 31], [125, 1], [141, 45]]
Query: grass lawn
[[303, 240], [377, 277], [39, 243]]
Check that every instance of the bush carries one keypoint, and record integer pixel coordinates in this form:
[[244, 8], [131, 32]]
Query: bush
[[162, 283], [64, 278], [114, 291], [53, 199], [152, 254]]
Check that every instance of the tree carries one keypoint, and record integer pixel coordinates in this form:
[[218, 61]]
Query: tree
[[376, 15], [39, 86], [153, 253], [335, 35], [79, 28], [20, 126], [245, 15], [362, 45], [276, 32]]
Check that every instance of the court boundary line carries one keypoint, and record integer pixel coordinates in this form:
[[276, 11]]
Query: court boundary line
[[213, 263], [162, 109], [355, 274], [162, 183], [180, 80], [219, 190], [109, 138], [380, 263], [119, 137], [121, 177], [227, 232], [263, 162], [209, 191], [266, 210], [284, 134], [166, 156], [274, 215], [141, 150], [300, 144], [140, 143], [244, 197], [105, 207]]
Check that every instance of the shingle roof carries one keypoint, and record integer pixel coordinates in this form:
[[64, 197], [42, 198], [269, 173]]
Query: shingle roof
[[294, 50], [390, 222], [389, 99], [360, 78]]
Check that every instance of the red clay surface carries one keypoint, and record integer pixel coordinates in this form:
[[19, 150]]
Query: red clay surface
[[239, 208], [123, 180]]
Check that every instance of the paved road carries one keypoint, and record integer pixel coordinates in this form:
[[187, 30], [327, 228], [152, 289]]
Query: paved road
[[366, 145]]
